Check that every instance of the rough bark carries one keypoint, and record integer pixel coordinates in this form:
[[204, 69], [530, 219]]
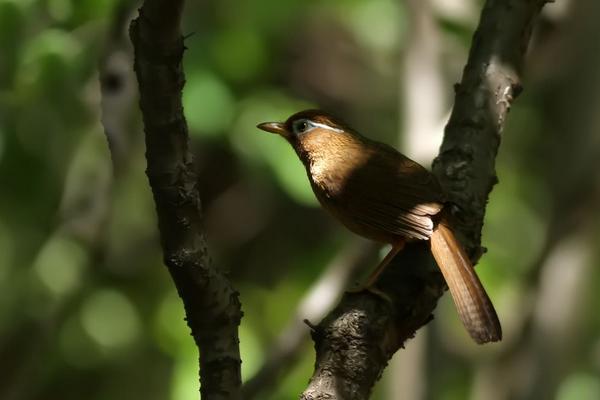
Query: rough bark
[[212, 307], [355, 341]]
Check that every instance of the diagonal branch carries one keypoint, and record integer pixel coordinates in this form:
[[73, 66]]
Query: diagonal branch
[[356, 340], [212, 307], [491, 81]]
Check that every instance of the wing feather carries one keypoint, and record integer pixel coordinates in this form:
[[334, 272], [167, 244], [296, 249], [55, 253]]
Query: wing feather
[[406, 198]]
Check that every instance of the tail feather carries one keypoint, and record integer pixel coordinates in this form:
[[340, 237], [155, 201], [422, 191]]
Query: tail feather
[[472, 302]]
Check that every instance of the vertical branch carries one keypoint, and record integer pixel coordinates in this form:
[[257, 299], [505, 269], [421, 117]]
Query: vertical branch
[[213, 310]]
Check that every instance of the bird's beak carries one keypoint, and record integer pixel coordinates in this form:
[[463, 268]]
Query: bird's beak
[[274, 127]]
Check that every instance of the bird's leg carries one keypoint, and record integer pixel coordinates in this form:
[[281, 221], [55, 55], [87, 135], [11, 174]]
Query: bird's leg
[[396, 247], [370, 281]]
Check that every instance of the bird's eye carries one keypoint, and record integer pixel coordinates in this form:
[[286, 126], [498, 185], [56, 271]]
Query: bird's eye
[[301, 126]]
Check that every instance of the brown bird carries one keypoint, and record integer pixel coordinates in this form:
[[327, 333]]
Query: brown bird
[[380, 194]]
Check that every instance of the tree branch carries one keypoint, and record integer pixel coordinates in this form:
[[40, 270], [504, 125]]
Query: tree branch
[[212, 307], [355, 341], [491, 81]]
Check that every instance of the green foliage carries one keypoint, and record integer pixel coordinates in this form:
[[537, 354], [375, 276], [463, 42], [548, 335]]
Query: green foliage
[[383, 36], [248, 62], [579, 386], [110, 320], [208, 102]]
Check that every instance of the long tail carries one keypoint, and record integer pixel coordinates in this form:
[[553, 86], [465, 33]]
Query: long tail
[[472, 302]]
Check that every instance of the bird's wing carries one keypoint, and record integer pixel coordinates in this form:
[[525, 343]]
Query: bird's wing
[[394, 194]]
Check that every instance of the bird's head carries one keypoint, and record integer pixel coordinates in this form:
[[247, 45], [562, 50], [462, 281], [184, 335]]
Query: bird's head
[[313, 133], [308, 126]]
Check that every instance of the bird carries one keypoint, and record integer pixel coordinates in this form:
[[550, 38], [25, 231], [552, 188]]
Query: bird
[[380, 194]]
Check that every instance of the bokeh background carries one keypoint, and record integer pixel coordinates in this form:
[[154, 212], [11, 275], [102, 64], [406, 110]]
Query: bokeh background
[[88, 311]]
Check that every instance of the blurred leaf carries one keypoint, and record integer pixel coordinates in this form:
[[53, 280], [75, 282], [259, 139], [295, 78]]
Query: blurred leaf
[[86, 190], [2, 142], [239, 53], [133, 219], [462, 31], [209, 105], [250, 351], [12, 23], [579, 386], [453, 385], [184, 381], [170, 329], [21, 3], [295, 381], [282, 302], [110, 319], [92, 9], [60, 264], [60, 10], [77, 348], [6, 252], [262, 14], [506, 210], [383, 35], [48, 57]]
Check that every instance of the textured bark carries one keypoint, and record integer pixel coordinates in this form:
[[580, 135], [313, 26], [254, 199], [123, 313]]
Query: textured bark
[[491, 81], [355, 341], [212, 307]]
